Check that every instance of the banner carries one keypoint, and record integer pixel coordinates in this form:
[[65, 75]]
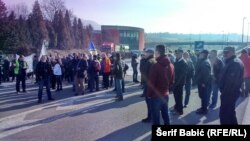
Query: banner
[[29, 60]]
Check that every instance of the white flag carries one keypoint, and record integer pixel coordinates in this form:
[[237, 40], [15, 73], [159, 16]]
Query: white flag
[[43, 50]]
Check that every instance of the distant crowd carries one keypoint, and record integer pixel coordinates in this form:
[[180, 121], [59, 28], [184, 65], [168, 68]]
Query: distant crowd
[[162, 72]]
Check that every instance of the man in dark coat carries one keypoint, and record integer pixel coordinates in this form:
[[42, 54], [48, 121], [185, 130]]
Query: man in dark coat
[[203, 75], [230, 84], [161, 78], [149, 62], [180, 69], [43, 71]]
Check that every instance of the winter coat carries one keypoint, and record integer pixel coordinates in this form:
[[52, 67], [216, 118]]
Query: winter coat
[[161, 77]]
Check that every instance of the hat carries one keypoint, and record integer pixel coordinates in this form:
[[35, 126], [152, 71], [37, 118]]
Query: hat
[[226, 49], [150, 51], [205, 52]]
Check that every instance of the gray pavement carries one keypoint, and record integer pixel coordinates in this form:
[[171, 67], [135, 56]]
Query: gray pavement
[[94, 116]]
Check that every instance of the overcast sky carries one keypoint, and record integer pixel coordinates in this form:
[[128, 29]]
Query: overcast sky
[[176, 16]]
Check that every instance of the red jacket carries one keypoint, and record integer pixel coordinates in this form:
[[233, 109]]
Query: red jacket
[[161, 77], [246, 61]]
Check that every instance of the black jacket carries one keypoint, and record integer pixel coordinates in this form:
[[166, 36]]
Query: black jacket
[[119, 69], [180, 69], [203, 73], [231, 76], [217, 69], [80, 67], [190, 69], [43, 70], [149, 62]]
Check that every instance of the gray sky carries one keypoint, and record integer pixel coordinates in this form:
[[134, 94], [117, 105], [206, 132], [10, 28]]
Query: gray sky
[[176, 16]]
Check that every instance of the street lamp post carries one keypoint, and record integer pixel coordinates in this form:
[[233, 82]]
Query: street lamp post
[[243, 29]]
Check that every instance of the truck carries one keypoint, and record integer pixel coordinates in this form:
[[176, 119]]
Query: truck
[[110, 47]]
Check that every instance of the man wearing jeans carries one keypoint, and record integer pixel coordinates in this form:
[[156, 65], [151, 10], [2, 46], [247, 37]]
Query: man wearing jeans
[[161, 78], [217, 66], [118, 73], [149, 62], [43, 71]]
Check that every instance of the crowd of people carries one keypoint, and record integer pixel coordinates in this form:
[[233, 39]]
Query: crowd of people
[[162, 72]]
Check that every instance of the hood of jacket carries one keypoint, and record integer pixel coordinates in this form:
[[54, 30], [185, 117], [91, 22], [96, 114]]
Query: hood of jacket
[[163, 60]]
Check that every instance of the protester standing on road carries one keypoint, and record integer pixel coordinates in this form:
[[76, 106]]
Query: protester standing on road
[[190, 74], [43, 70], [180, 69], [142, 70], [245, 58], [35, 62], [6, 70], [134, 64], [94, 69], [118, 73], [58, 74], [106, 69], [217, 66], [230, 84], [149, 62], [203, 75], [80, 74], [20, 72], [161, 78]]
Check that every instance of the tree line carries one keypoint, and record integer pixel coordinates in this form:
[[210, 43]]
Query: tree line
[[24, 33]]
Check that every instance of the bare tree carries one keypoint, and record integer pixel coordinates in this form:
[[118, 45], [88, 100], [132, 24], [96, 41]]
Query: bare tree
[[49, 7], [20, 9]]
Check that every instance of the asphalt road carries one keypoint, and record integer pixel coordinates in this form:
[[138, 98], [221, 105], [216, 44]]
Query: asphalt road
[[94, 116]]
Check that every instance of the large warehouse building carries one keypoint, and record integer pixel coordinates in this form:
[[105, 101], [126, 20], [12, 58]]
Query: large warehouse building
[[132, 36]]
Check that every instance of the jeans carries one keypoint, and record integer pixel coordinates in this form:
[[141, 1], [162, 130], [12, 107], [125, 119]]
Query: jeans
[[20, 78], [118, 84], [106, 80], [94, 82], [44, 82], [204, 94], [135, 74], [160, 105], [148, 102], [215, 90], [59, 82], [188, 91]]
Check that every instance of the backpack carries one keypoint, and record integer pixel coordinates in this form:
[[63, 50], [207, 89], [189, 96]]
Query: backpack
[[97, 66], [126, 67]]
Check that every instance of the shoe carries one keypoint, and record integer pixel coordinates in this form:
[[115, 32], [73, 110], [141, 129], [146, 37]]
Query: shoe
[[76, 94], [119, 99], [185, 106], [212, 106], [51, 99], [17, 92], [176, 113], [39, 101], [146, 120], [201, 112], [172, 110]]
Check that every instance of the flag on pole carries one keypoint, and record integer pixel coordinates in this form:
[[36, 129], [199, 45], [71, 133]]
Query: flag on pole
[[43, 50], [92, 48]]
